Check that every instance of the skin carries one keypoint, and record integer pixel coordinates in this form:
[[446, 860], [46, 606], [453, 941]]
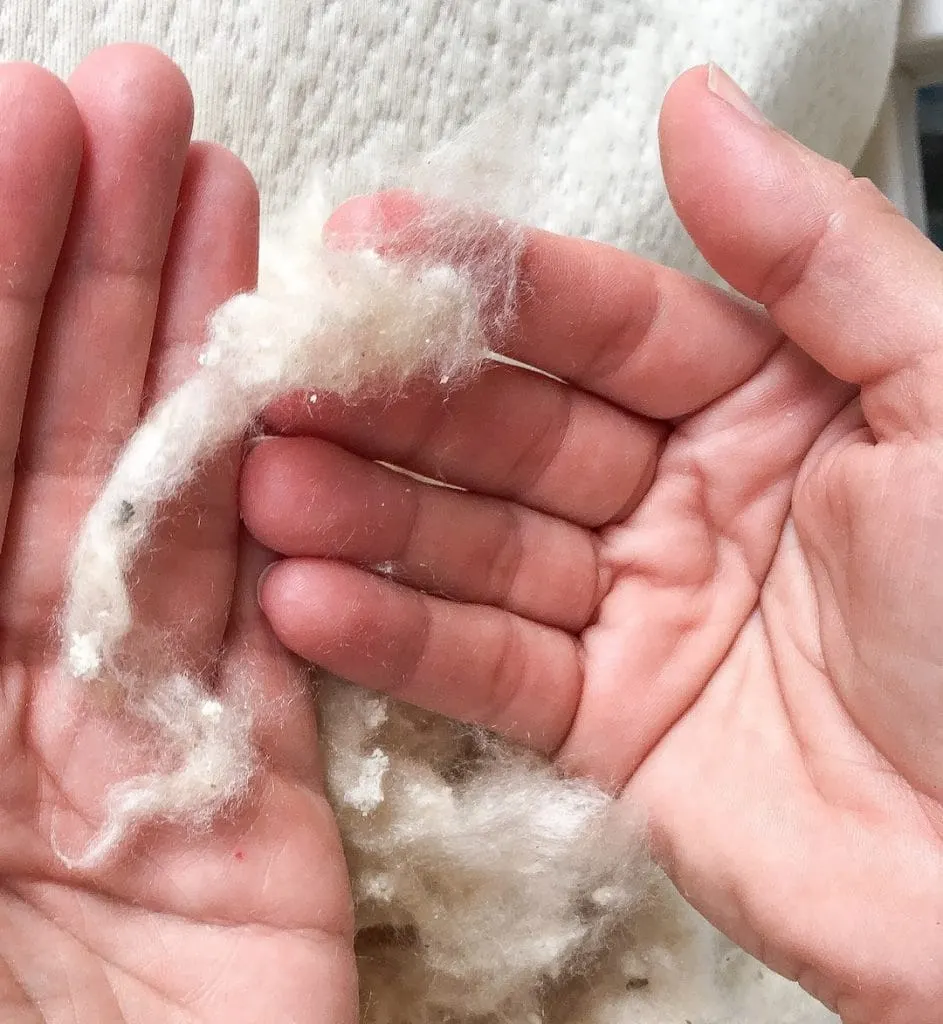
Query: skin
[[699, 569], [119, 236], [702, 568]]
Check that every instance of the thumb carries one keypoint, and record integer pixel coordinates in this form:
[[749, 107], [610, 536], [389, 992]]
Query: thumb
[[840, 271]]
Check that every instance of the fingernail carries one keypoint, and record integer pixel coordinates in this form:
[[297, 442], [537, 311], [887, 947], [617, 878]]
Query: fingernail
[[261, 580], [722, 85]]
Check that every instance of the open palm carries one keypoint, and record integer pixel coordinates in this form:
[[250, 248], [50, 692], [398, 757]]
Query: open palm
[[696, 566], [118, 237]]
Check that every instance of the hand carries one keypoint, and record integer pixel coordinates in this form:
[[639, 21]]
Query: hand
[[109, 263], [702, 570]]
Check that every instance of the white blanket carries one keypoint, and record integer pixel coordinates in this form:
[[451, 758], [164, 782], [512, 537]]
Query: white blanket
[[291, 83]]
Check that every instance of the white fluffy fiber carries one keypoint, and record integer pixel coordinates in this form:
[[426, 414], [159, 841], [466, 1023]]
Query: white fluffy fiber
[[321, 319], [480, 877], [489, 890]]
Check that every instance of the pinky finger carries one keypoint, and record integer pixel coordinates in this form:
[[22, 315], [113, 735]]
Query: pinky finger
[[471, 662]]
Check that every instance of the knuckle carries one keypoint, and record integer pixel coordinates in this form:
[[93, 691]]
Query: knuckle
[[852, 200], [503, 562], [507, 675], [531, 463], [621, 327]]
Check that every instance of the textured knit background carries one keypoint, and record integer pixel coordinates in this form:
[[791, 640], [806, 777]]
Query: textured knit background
[[288, 84]]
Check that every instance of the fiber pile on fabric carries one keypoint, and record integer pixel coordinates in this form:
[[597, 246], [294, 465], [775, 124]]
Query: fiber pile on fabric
[[487, 888]]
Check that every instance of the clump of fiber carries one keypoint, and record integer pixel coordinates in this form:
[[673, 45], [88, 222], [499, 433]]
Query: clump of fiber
[[322, 319], [488, 889], [480, 877]]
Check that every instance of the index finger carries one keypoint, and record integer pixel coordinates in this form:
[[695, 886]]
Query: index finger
[[642, 336]]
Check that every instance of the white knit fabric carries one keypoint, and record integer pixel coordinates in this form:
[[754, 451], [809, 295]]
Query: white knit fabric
[[288, 84]]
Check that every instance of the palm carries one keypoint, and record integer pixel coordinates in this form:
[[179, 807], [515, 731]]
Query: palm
[[248, 923], [796, 684], [253, 920]]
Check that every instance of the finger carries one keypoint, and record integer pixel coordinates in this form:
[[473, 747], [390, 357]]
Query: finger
[[91, 355], [510, 433], [308, 498], [211, 255], [840, 271], [471, 662], [258, 669], [40, 151], [93, 349], [641, 336]]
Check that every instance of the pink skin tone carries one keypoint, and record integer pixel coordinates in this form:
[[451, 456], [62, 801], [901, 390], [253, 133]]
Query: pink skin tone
[[119, 237], [701, 571]]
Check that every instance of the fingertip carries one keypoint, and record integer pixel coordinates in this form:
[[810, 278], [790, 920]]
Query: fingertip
[[744, 190], [211, 254], [134, 78], [356, 224], [689, 87], [286, 589], [829, 256], [696, 125], [41, 147], [290, 604], [218, 183], [263, 595], [260, 486], [368, 221], [33, 95], [224, 166], [42, 129], [311, 606]]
